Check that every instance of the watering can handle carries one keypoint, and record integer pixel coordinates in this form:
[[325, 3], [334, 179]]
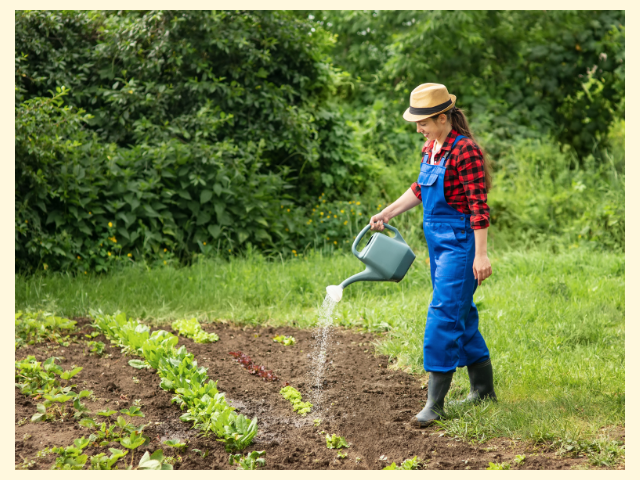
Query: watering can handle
[[366, 229]]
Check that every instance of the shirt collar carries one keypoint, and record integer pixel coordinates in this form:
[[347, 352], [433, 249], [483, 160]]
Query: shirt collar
[[448, 142]]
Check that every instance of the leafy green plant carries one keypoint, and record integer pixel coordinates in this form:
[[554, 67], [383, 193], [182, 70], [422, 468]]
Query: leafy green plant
[[37, 327], [132, 411], [409, 464], [179, 372], [101, 461], [286, 341], [341, 455], [69, 458], [499, 466], [96, 347], [334, 441], [519, 459], [155, 461], [252, 461], [175, 443], [192, 329], [295, 397]]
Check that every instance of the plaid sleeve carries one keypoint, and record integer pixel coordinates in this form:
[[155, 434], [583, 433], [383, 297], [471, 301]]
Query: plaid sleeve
[[417, 191], [470, 166]]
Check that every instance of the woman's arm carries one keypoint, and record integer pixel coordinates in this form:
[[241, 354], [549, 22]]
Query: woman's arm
[[407, 201], [481, 264]]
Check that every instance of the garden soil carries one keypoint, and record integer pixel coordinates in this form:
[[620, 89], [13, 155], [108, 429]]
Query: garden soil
[[364, 400]]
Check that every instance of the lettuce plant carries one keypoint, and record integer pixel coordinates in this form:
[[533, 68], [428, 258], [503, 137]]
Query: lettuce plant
[[286, 341], [295, 397], [191, 328]]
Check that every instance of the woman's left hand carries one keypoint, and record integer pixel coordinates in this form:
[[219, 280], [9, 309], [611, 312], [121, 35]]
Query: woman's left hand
[[481, 268]]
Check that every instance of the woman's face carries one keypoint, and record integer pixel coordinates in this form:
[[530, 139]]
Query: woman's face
[[432, 128]]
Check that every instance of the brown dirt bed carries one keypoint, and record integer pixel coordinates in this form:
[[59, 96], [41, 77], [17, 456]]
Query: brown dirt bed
[[372, 407]]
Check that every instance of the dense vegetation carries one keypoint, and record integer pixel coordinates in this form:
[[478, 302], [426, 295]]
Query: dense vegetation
[[159, 136]]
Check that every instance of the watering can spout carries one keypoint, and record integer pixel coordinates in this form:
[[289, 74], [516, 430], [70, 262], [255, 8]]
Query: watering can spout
[[386, 259]]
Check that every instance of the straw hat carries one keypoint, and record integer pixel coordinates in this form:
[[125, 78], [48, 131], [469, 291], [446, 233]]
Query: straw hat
[[427, 100]]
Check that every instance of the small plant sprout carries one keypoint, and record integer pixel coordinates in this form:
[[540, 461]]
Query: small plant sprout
[[175, 443], [106, 413], [252, 461], [192, 329], [342, 454], [284, 340], [519, 459], [133, 411], [499, 466], [155, 461], [335, 441], [200, 452], [316, 422], [295, 397], [409, 464]]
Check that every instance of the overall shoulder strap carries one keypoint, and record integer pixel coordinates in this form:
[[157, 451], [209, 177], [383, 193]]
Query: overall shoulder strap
[[444, 159]]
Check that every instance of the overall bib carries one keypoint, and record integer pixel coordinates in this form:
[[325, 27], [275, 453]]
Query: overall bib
[[451, 335]]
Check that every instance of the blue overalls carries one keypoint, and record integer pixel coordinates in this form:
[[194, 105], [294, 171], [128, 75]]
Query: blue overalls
[[451, 335]]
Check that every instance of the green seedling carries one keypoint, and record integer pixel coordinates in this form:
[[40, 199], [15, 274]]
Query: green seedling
[[177, 444], [192, 329], [69, 458], [133, 411], [102, 462], [335, 441], [96, 348], [200, 452], [295, 397], [519, 459], [342, 454], [93, 334], [32, 328], [179, 372], [409, 464], [252, 461], [499, 466], [316, 422], [133, 441], [155, 461], [139, 364], [106, 413], [284, 340]]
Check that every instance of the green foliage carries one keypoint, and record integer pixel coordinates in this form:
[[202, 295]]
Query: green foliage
[[284, 340], [499, 466], [295, 397], [37, 327], [96, 347], [252, 461], [179, 371], [101, 461], [192, 329], [175, 443], [334, 441], [157, 147], [409, 464], [155, 461]]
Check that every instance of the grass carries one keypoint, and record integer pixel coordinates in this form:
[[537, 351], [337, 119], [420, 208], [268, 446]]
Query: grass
[[554, 324]]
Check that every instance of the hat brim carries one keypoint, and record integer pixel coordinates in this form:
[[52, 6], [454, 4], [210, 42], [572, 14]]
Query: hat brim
[[409, 117]]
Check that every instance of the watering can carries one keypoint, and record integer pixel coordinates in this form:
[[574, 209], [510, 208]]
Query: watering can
[[387, 260]]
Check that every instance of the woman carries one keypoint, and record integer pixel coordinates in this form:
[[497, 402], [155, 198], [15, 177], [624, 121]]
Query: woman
[[452, 187]]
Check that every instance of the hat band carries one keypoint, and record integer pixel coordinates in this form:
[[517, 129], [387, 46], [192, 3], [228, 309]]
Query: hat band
[[430, 110]]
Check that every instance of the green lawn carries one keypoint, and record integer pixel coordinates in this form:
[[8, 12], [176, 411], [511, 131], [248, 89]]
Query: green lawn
[[554, 324]]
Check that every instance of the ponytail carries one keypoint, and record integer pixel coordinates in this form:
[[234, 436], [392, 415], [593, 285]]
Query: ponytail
[[460, 124]]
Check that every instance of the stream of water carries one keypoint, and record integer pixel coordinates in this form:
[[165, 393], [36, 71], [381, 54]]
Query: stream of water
[[319, 359]]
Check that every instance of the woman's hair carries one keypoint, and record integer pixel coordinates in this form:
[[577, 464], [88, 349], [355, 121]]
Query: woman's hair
[[460, 124]]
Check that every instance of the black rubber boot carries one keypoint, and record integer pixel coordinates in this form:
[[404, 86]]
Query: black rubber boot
[[481, 379], [439, 384]]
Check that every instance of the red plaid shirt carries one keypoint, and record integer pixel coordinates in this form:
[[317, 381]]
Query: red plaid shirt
[[464, 187]]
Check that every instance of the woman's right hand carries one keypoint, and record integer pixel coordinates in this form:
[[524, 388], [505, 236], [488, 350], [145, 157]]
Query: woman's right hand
[[377, 221]]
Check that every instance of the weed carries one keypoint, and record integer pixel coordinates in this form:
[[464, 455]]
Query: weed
[[252, 461]]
